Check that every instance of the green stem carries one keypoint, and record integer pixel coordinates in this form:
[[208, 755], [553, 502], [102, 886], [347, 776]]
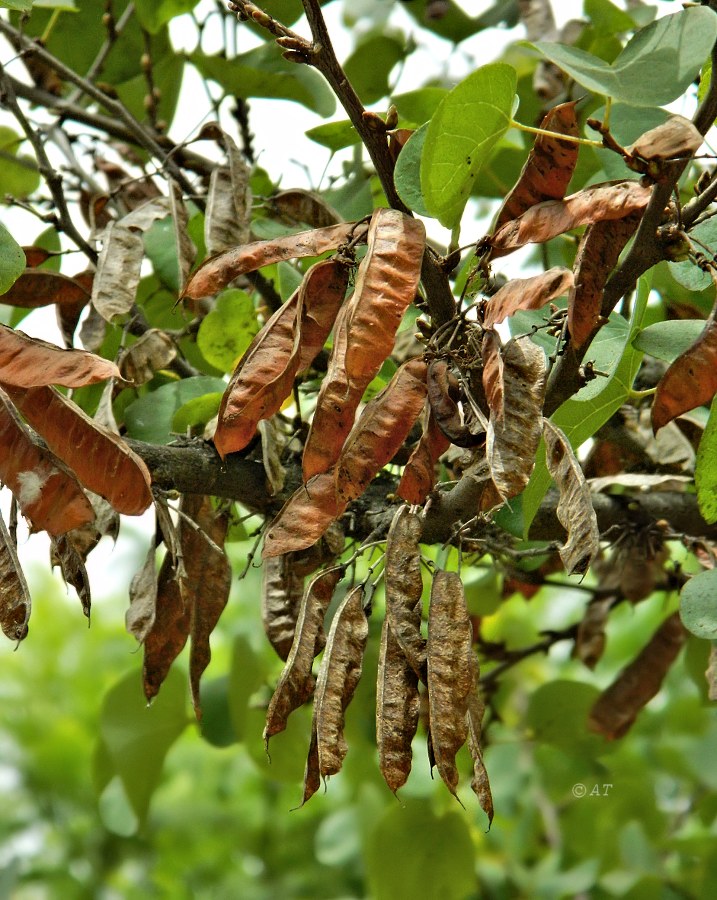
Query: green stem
[[50, 25], [554, 134]]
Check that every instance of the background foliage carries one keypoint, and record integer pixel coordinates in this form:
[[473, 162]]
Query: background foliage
[[104, 797]]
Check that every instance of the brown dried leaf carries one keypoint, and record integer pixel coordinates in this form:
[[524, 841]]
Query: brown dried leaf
[[575, 510], [443, 394], [419, 475], [216, 272], [152, 351], [106, 522], [296, 683], [450, 672], [675, 138], [272, 446], [597, 203], [47, 495], [527, 293], [169, 630], [615, 710], [101, 460], [114, 289], [600, 247], [397, 708], [38, 287], [288, 343], [64, 554], [404, 587], [386, 285], [208, 581], [305, 517], [29, 362], [339, 674], [15, 601], [513, 436], [296, 206], [549, 167], [380, 430], [690, 381], [228, 214], [474, 719], [282, 590], [493, 387]]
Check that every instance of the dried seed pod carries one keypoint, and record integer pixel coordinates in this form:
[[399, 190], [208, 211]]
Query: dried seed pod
[[404, 587], [282, 589], [479, 782], [450, 672], [297, 683], [397, 708], [338, 677]]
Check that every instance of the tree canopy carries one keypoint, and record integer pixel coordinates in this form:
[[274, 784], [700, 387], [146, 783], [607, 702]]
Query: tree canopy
[[429, 439]]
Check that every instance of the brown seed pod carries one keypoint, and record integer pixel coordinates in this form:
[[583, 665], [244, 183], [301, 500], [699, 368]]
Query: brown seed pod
[[404, 587], [450, 672]]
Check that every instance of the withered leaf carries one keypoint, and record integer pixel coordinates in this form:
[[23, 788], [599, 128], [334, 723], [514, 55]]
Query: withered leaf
[[514, 432], [618, 706], [228, 215], [549, 167], [38, 287], [575, 510], [46, 493], [492, 358], [397, 709], [339, 674], [216, 272], [101, 460], [15, 601], [312, 776], [474, 719], [597, 203], [404, 587], [169, 630], [65, 555], [305, 516], [114, 288], [30, 362], [690, 381], [386, 284], [380, 430], [527, 293], [152, 351], [186, 251], [419, 474], [288, 343], [282, 590], [450, 672], [590, 639], [599, 250], [296, 683], [675, 138]]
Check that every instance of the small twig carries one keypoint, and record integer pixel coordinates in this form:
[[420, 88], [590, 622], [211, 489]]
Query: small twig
[[99, 61]]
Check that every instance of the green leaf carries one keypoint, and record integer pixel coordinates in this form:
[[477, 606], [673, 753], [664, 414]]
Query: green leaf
[[228, 329], [137, 738], [687, 273], [153, 14], [657, 65], [334, 135], [667, 340], [582, 415], [698, 605], [150, 418], [414, 852], [216, 724], [706, 468], [19, 176], [196, 412], [19, 5], [246, 676], [263, 72], [407, 173], [167, 72], [454, 25], [417, 107], [558, 712], [370, 65], [606, 17], [12, 260], [468, 123]]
